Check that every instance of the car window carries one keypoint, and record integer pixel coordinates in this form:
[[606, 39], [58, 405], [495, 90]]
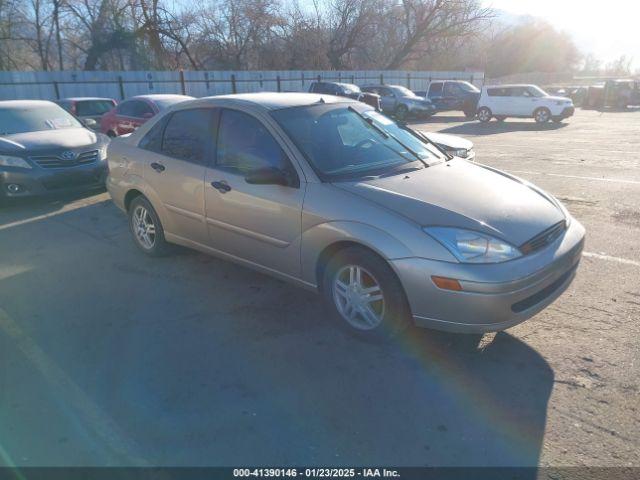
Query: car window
[[152, 140], [141, 108], [385, 92], [435, 89], [125, 108], [450, 89], [245, 144], [519, 92], [187, 135], [497, 92], [93, 107]]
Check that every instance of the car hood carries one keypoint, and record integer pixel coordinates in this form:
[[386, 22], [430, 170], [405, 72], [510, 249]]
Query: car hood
[[464, 195], [47, 140], [451, 141]]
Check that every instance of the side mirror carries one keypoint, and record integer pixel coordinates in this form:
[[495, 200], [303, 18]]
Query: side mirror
[[268, 176], [89, 122]]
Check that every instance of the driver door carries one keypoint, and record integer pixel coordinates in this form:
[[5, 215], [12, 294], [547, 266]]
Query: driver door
[[260, 224]]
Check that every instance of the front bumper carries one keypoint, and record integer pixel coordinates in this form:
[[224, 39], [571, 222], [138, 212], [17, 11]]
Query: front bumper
[[42, 181], [494, 296], [568, 112]]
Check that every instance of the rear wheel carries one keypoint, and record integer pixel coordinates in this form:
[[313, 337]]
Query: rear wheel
[[542, 115], [145, 226], [364, 294], [484, 114]]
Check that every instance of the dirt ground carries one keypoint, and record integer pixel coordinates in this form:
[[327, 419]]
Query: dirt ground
[[111, 358]]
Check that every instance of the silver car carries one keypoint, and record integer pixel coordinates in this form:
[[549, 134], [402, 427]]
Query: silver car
[[333, 196]]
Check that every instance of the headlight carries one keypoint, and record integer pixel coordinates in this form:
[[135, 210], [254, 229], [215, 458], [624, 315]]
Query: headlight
[[473, 247], [458, 152], [8, 161], [102, 153]]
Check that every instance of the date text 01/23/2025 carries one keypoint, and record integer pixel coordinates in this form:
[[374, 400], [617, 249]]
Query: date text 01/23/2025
[[315, 472]]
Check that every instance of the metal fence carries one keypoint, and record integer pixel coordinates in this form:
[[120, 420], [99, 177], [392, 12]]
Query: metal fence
[[120, 85]]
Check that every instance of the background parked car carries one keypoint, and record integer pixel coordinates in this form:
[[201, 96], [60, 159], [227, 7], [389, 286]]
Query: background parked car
[[135, 111], [44, 149], [401, 102], [88, 109], [448, 95], [348, 90], [614, 93], [523, 101]]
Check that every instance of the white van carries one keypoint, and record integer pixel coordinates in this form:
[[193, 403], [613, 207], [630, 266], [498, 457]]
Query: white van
[[523, 101]]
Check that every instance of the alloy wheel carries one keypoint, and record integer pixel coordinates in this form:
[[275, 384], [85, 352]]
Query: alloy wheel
[[358, 297], [143, 227]]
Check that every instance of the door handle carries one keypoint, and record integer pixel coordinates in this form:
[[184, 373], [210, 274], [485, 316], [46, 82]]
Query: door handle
[[158, 167], [222, 187]]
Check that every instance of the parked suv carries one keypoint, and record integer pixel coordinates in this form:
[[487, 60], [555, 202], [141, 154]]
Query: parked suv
[[348, 90], [401, 102], [88, 109], [523, 101], [448, 95], [135, 111]]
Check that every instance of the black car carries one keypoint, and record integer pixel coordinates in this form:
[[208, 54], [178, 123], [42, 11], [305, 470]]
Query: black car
[[44, 149], [448, 95], [348, 90]]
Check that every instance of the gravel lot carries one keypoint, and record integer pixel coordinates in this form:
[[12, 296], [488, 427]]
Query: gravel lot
[[111, 358]]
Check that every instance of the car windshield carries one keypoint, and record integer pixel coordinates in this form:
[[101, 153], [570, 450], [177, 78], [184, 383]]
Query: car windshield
[[34, 119], [403, 91], [93, 107], [537, 91], [344, 142], [351, 88], [468, 87]]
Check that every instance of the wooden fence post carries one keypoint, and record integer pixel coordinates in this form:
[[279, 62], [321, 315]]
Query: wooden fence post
[[56, 89], [234, 89], [381, 79], [183, 87], [278, 81], [121, 87]]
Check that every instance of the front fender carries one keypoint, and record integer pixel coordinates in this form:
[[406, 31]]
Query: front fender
[[318, 237]]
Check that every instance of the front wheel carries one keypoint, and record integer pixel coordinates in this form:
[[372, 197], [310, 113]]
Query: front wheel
[[402, 112], [145, 226], [542, 115], [484, 114], [364, 294]]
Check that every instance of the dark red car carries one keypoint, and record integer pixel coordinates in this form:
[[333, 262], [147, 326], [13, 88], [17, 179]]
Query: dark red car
[[134, 111]]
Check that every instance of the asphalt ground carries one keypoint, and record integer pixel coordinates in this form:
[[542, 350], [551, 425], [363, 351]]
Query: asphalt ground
[[108, 357]]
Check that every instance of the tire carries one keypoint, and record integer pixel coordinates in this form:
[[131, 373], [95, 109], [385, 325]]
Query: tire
[[382, 318], [484, 114], [542, 115], [111, 134], [469, 114], [142, 212], [501, 118], [402, 112]]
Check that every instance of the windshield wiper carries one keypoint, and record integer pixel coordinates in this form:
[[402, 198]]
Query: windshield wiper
[[423, 137]]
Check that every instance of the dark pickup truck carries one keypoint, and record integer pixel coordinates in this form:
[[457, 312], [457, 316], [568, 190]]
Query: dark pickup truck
[[448, 95]]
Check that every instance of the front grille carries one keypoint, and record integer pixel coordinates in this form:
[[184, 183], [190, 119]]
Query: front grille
[[543, 239], [54, 161]]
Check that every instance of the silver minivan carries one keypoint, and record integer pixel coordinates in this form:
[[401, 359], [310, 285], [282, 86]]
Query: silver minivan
[[329, 194]]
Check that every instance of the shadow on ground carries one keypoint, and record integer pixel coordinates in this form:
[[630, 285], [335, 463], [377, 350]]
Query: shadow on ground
[[494, 127], [197, 361]]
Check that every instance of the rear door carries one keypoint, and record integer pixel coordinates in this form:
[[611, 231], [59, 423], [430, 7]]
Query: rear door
[[522, 101], [435, 94], [177, 150], [257, 223], [387, 99]]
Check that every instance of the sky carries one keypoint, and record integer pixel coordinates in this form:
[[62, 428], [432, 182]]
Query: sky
[[607, 29]]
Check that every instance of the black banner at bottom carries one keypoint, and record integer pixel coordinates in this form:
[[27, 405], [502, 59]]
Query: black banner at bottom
[[399, 473]]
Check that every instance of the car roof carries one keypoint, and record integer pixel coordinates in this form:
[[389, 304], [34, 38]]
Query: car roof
[[82, 99], [271, 100], [25, 103], [510, 85], [159, 96]]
